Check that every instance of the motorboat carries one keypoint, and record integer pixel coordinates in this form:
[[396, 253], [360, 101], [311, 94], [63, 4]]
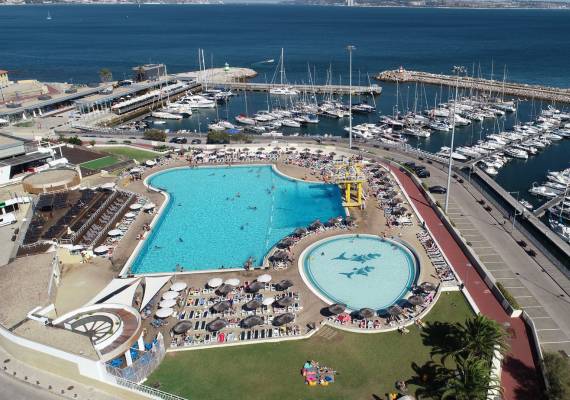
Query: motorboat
[[197, 101], [419, 132], [560, 229], [272, 134], [439, 126], [516, 153], [363, 108], [467, 151], [543, 191], [283, 91], [290, 123], [526, 204], [244, 119], [165, 115], [444, 152]]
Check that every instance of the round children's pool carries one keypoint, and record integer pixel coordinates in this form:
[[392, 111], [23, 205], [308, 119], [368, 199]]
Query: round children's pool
[[359, 270]]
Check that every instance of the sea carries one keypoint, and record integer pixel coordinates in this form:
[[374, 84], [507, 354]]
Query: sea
[[527, 45]]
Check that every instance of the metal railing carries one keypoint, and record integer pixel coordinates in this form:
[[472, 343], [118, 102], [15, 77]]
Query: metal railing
[[93, 217], [113, 220], [147, 390]]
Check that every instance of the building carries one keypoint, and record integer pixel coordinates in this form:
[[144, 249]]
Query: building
[[19, 155], [3, 78], [149, 72]]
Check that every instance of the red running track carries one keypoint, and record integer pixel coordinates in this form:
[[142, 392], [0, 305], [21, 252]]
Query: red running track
[[520, 378]]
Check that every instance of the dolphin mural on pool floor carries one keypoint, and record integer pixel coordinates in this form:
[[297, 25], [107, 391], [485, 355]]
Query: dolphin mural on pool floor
[[362, 258], [358, 271]]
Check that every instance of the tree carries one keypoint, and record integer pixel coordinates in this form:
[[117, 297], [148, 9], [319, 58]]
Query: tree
[[218, 138], [155, 134], [470, 381], [106, 75], [140, 75], [73, 140], [480, 337], [557, 371]]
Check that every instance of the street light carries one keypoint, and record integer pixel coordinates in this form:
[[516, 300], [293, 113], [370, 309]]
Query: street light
[[516, 209], [350, 49], [456, 70]]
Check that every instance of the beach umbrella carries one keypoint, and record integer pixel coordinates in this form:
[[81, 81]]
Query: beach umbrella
[[283, 319], [416, 300], [135, 170], [256, 287], [366, 312], [300, 232], [130, 215], [316, 225], [284, 284], [100, 250], [169, 295], [108, 185], [427, 287], [331, 222], [251, 321], [337, 308], [306, 150], [268, 301], [149, 206], [265, 278], [225, 289], [164, 312], [232, 282], [280, 255], [395, 310], [181, 327], [167, 303], [115, 232], [217, 325], [285, 301], [320, 151], [344, 317], [178, 286], [349, 220], [221, 306], [252, 304], [135, 206], [215, 282], [150, 163], [287, 242]]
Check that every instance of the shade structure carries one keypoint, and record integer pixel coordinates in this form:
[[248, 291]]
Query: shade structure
[[251, 321], [108, 185], [215, 282], [149, 206], [316, 225], [427, 287], [130, 215], [395, 310], [285, 301], [115, 232], [344, 317], [164, 312], [225, 289], [178, 286], [169, 295], [337, 308], [77, 247], [283, 319], [168, 303], [300, 232], [268, 301], [232, 281], [280, 255], [150, 163], [285, 243], [416, 300], [256, 287], [366, 313], [101, 250], [135, 206], [284, 284], [221, 306], [217, 325], [331, 222], [349, 220], [265, 278], [252, 304], [182, 327], [136, 170]]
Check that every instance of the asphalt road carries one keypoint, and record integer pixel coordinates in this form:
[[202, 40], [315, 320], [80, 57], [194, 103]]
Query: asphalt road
[[14, 389]]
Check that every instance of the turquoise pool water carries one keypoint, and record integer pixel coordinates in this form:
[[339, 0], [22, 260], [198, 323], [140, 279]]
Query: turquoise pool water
[[360, 271], [222, 216]]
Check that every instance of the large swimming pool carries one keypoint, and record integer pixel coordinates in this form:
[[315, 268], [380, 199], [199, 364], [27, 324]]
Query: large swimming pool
[[222, 216], [359, 270]]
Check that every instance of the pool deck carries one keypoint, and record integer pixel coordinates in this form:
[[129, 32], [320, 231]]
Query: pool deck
[[371, 220]]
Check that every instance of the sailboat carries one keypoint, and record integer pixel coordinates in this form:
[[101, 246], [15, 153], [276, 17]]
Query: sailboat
[[48, 16], [283, 90]]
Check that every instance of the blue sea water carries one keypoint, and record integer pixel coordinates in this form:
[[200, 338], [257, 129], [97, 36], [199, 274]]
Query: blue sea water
[[360, 271], [531, 46], [222, 216]]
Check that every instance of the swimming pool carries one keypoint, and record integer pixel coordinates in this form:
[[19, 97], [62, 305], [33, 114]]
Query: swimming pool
[[359, 270], [221, 216]]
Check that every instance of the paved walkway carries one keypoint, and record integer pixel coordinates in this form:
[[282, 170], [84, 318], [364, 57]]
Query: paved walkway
[[520, 378]]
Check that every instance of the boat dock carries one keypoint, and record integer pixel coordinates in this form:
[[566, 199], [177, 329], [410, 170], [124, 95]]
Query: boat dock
[[482, 85], [542, 209]]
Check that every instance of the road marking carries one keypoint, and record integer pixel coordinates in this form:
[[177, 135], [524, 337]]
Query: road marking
[[560, 341]]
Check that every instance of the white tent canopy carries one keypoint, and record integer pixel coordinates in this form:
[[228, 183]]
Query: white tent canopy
[[115, 232], [265, 278], [135, 206], [268, 301], [112, 287], [167, 303], [149, 206], [232, 282], [215, 282], [169, 295], [164, 312], [178, 286], [125, 296], [153, 286]]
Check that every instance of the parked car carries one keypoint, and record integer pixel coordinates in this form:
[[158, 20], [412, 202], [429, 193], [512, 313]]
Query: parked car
[[437, 189], [196, 141], [422, 173]]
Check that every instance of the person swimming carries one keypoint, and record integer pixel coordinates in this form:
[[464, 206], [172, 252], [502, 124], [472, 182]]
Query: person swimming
[[157, 247], [180, 240], [252, 208], [238, 194]]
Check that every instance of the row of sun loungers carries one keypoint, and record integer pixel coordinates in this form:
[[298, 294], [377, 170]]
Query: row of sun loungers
[[442, 268]]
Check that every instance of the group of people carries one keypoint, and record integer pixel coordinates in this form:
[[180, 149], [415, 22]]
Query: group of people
[[315, 375]]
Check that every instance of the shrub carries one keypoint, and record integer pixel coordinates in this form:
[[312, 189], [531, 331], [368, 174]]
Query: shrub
[[508, 296], [557, 371], [112, 141], [73, 140], [218, 138], [155, 134], [92, 142], [127, 142]]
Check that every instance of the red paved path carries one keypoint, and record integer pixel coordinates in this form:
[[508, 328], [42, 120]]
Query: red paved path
[[520, 378]]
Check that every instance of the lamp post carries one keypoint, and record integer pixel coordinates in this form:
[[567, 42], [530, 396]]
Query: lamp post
[[456, 70], [516, 209], [350, 49]]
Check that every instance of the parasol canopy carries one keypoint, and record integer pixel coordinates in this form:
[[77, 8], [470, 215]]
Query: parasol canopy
[[168, 303], [256, 287], [164, 312], [217, 325], [215, 282], [221, 306], [135, 206], [100, 250], [251, 321], [232, 281], [252, 304], [416, 300], [225, 289], [284, 284], [283, 319], [115, 232], [268, 301], [265, 278], [366, 312], [169, 295], [395, 310], [181, 327], [285, 301], [178, 286], [337, 308], [427, 287]]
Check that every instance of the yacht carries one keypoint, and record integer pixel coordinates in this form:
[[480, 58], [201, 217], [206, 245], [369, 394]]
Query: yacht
[[491, 171], [439, 126], [264, 116], [197, 101], [516, 153], [165, 115], [290, 123], [526, 204], [560, 229], [444, 152], [310, 119], [543, 191], [363, 108], [467, 151], [283, 91], [272, 134], [244, 119], [419, 132]]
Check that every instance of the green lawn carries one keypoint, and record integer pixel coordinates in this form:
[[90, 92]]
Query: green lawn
[[100, 163], [129, 153], [368, 364]]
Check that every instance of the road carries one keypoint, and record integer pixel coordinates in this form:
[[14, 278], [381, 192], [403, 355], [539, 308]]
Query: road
[[13, 389]]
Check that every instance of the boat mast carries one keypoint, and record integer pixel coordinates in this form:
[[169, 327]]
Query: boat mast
[[282, 71]]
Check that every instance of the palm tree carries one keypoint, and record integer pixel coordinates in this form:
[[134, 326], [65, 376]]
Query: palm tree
[[106, 75], [470, 381], [480, 337]]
